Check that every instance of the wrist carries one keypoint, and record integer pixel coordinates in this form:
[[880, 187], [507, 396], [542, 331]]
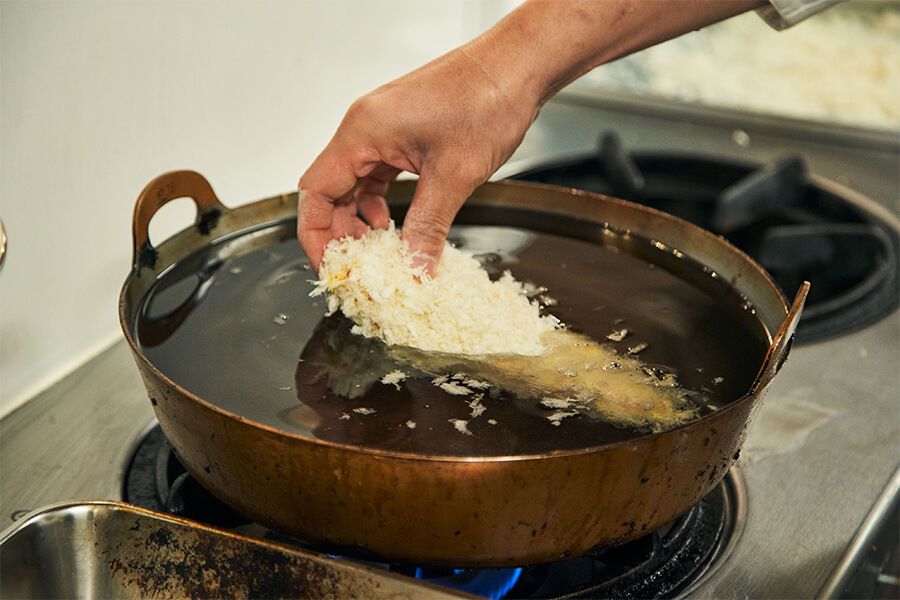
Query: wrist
[[542, 46]]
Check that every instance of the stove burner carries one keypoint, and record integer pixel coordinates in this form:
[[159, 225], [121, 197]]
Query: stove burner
[[488, 583], [661, 564], [799, 229], [156, 480]]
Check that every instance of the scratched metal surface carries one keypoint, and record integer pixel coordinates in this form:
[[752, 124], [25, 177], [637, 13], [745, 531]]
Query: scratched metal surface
[[113, 550]]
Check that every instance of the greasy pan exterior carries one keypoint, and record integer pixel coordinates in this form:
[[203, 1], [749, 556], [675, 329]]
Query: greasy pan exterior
[[457, 512]]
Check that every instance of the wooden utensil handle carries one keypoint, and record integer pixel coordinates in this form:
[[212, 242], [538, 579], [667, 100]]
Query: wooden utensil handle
[[159, 192]]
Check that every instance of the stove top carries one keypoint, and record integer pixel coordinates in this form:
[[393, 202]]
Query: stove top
[[821, 451]]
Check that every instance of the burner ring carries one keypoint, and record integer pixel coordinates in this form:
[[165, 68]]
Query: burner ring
[[735, 496]]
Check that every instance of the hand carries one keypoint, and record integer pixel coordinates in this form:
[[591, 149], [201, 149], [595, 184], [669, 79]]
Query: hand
[[456, 120], [448, 122]]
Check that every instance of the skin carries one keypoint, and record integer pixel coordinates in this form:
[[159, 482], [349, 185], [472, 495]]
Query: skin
[[456, 120]]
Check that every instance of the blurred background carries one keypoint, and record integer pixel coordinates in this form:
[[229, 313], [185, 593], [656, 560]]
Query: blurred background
[[99, 97]]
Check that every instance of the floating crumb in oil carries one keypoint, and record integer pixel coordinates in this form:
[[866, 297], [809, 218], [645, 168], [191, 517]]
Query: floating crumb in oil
[[532, 290], [455, 388], [461, 426], [546, 300], [411, 424], [477, 407], [619, 335], [394, 378], [554, 403], [638, 348], [362, 410], [471, 383], [459, 384], [557, 417]]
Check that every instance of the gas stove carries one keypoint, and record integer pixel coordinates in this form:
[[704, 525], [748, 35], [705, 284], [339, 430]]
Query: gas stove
[[817, 481]]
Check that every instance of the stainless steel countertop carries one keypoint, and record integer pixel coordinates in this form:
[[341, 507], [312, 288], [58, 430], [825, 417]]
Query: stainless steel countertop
[[73, 441], [820, 451]]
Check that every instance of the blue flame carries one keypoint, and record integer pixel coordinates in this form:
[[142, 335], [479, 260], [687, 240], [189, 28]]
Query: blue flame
[[488, 583]]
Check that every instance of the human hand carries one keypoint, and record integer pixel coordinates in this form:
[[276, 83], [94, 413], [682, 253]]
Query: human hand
[[448, 122], [456, 120]]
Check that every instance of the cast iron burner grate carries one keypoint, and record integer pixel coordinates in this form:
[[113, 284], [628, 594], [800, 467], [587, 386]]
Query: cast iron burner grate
[[661, 564], [797, 227]]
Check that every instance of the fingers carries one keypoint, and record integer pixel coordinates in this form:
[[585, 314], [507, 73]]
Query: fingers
[[314, 218], [430, 215], [319, 189], [337, 198], [370, 193]]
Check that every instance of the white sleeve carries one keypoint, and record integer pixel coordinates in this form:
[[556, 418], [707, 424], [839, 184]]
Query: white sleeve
[[781, 14]]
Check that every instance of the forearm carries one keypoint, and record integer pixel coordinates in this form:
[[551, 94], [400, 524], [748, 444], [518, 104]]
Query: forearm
[[546, 44], [456, 120]]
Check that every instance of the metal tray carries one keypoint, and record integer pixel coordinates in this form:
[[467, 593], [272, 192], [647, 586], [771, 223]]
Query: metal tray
[[115, 550]]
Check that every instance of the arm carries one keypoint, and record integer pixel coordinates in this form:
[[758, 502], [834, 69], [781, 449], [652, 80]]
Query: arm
[[456, 120]]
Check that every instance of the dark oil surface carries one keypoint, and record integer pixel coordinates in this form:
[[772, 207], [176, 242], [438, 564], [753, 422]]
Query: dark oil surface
[[243, 334]]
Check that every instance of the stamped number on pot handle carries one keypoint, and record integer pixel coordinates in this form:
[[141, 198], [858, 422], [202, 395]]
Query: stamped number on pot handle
[[159, 192]]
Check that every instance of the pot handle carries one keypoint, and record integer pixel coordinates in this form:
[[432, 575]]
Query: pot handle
[[159, 192], [782, 342]]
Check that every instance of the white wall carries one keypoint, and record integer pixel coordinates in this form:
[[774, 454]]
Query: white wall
[[97, 98]]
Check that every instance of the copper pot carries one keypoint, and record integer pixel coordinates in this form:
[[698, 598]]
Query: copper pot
[[471, 509]]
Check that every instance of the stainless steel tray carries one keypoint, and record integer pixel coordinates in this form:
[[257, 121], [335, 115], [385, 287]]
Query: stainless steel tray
[[115, 550]]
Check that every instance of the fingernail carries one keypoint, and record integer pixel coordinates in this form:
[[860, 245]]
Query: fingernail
[[427, 263]]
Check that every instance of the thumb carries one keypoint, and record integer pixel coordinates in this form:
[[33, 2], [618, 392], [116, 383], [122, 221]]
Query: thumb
[[428, 220]]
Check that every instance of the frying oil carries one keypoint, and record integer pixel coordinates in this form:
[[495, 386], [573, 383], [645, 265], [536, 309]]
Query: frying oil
[[242, 333]]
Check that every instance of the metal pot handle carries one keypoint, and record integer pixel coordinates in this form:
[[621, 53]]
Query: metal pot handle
[[159, 192], [781, 343]]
